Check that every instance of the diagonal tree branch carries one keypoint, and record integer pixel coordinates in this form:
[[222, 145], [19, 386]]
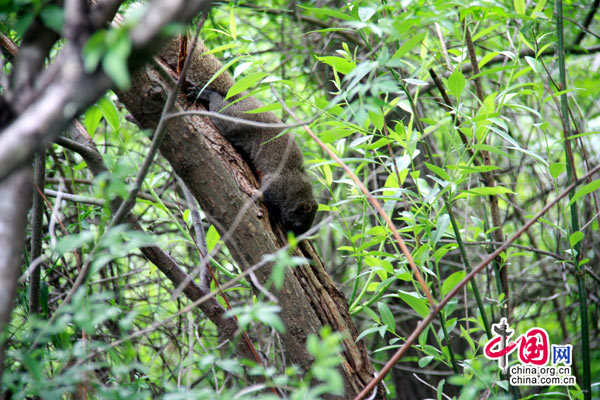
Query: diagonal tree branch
[[586, 22], [72, 89]]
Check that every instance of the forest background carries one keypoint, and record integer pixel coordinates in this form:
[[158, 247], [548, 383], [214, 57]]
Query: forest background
[[452, 147]]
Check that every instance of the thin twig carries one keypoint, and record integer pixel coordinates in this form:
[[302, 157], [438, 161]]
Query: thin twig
[[572, 175], [240, 121]]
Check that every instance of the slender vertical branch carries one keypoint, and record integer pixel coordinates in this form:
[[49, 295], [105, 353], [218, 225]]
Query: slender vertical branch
[[37, 216], [572, 176], [489, 178]]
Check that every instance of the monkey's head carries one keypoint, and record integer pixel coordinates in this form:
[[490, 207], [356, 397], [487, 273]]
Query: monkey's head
[[290, 199]]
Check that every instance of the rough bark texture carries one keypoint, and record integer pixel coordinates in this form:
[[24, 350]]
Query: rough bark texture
[[14, 192], [222, 183]]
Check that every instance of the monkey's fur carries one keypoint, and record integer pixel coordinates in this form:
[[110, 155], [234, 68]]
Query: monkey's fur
[[277, 160]]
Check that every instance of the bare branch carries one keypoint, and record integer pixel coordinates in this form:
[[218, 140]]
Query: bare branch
[[103, 11], [73, 89], [77, 24]]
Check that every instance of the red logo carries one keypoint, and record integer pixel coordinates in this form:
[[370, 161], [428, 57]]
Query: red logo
[[533, 346]]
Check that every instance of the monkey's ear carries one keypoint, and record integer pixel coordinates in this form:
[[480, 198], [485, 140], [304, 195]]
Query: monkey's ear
[[305, 207]]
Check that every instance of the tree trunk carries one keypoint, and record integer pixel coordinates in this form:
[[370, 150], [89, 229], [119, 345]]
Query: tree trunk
[[14, 193], [223, 184]]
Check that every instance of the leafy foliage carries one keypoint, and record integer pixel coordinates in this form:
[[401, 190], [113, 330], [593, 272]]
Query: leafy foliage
[[363, 74]]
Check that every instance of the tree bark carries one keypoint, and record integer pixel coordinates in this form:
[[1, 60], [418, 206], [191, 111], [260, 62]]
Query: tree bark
[[223, 184], [14, 192]]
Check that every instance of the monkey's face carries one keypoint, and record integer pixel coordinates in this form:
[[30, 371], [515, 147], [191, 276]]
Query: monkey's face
[[300, 217], [291, 201]]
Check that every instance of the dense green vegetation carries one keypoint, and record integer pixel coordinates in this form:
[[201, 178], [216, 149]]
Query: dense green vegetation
[[463, 120]]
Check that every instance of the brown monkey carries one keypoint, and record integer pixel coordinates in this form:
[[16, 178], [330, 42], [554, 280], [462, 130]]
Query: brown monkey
[[277, 160]]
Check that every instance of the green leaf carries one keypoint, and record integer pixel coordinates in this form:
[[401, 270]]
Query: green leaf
[[366, 332], [486, 58], [416, 303], [339, 64], [212, 237], [493, 70], [93, 50], [408, 46], [535, 65], [451, 282], [72, 242], [530, 153], [245, 83], [53, 17], [440, 389], [110, 112], [365, 13], [442, 224], [278, 274], [525, 42], [336, 133], [269, 315], [538, 7], [232, 26], [519, 6], [503, 384], [377, 119], [424, 361], [24, 21], [584, 190], [232, 366], [114, 62], [219, 49], [327, 12], [456, 83], [91, 119], [187, 217], [391, 182], [387, 318], [490, 191], [492, 149], [556, 169], [423, 336], [575, 238], [485, 31], [473, 169], [438, 171], [328, 175]]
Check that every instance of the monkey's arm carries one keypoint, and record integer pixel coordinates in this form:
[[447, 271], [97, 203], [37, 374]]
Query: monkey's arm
[[277, 158]]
